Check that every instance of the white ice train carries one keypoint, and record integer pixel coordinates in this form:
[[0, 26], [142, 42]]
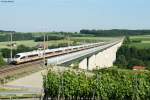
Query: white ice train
[[39, 54]]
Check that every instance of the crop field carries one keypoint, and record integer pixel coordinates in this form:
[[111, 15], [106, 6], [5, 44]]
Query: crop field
[[141, 45], [140, 37], [144, 41], [93, 38], [78, 40]]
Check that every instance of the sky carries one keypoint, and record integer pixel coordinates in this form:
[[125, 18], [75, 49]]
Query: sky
[[74, 15]]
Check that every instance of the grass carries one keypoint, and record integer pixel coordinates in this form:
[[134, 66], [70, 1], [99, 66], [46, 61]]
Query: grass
[[31, 43], [94, 38], [21, 97], [140, 45], [8, 89]]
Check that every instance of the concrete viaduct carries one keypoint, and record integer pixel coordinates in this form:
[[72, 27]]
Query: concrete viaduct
[[94, 58]]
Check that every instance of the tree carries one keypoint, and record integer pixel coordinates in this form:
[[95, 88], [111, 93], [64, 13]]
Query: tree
[[135, 62], [115, 32], [23, 48], [121, 61], [2, 62], [127, 40]]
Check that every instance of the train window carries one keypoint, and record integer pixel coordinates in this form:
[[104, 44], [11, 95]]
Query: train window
[[22, 57], [33, 55], [49, 52], [17, 56]]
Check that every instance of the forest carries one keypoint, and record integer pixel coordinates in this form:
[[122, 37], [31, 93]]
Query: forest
[[115, 32]]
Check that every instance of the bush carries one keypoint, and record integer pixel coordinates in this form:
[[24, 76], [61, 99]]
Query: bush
[[21, 48], [135, 62], [52, 37], [136, 41]]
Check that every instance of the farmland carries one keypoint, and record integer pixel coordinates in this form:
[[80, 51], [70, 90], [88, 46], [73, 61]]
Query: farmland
[[140, 45], [143, 41], [78, 40]]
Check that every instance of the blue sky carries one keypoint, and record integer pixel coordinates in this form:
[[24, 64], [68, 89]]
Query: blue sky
[[73, 15]]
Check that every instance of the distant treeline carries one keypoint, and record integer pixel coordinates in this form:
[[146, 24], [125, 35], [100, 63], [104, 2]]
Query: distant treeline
[[115, 32], [37, 36], [53, 37]]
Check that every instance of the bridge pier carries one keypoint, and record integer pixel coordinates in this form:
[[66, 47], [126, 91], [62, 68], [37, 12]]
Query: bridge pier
[[103, 59], [92, 62], [84, 64]]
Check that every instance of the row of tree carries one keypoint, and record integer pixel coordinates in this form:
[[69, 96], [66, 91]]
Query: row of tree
[[2, 62], [49, 37], [21, 48], [115, 32]]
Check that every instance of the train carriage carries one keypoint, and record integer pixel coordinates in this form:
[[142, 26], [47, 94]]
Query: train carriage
[[39, 54]]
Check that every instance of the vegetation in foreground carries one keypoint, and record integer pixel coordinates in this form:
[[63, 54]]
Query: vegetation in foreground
[[106, 84]]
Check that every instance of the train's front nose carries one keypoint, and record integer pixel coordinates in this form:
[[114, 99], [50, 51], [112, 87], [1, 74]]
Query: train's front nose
[[14, 61]]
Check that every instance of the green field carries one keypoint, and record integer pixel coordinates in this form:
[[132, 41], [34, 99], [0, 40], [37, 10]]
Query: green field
[[141, 45], [78, 40], [31, 43], [144, 41], [141, 37]]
